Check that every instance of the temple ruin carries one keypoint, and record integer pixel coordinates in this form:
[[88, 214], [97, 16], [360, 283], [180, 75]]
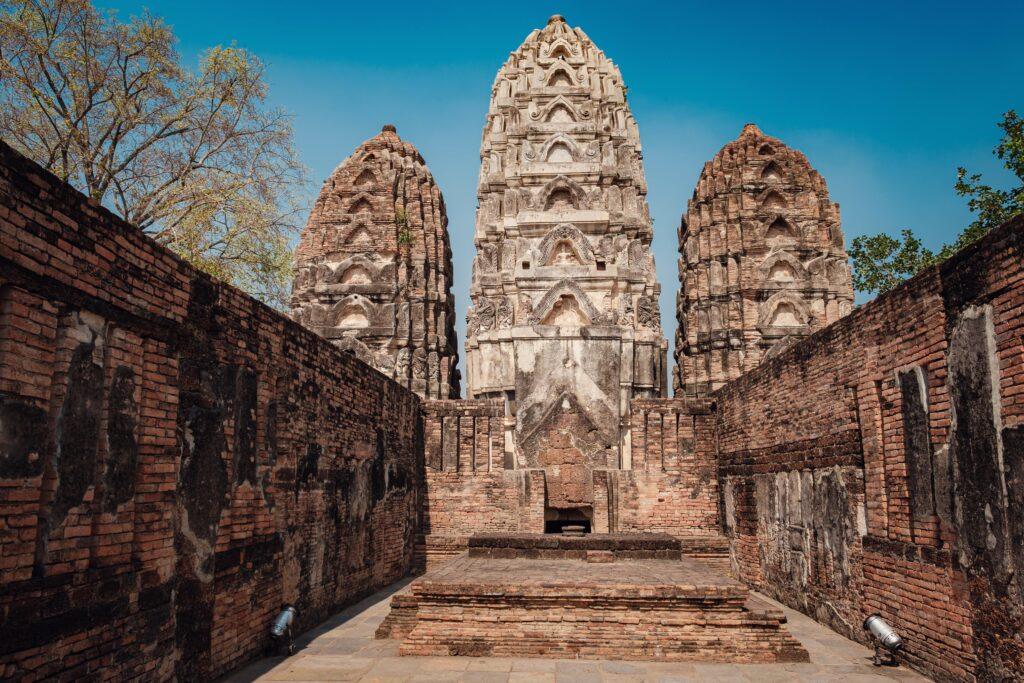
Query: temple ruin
[[762, 262], [374, 267], [564, 325], [180, 464]]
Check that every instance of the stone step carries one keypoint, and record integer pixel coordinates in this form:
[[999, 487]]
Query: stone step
[[400, 620], [711, 550], [433, 551]]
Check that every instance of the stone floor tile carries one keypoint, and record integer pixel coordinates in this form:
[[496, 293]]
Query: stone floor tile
[[378, 648], [398, 666], [533, 665], [622, 678], [317, 673], [531, 677], [720, 672], [577, 677], [485, 677], [335, 646], [437, 677], [431, 664], [577, 667], [768, 673], [622, 668], [489, 664]]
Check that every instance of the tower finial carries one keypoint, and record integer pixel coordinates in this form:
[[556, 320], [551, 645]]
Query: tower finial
[[555, 18], [751, 129], [389, 128]]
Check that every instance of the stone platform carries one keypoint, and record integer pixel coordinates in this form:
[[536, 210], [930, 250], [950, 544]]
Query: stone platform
[[588, 547], [643, 609], [434, 550]]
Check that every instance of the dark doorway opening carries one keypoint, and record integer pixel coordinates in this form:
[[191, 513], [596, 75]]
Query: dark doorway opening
[[557, 519]]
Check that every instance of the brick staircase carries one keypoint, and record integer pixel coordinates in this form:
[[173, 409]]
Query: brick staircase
[[493, 601]]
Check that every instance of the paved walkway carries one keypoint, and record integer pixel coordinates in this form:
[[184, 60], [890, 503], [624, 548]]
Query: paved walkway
[[343, 649]]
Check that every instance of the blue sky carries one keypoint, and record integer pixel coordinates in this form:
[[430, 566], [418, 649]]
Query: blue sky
[[885, 99]]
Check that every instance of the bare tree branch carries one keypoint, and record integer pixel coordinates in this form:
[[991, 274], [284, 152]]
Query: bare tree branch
[[195, 159]]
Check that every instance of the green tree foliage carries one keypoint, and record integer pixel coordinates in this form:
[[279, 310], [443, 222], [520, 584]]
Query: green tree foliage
[[197, 160], [995, 207], [880, 262]]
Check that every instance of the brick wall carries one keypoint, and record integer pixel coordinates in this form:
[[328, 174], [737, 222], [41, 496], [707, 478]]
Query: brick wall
[[672, 486], [176, 459], [878, 466], [473, 486]]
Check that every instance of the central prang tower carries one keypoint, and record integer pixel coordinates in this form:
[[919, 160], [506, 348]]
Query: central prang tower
[[564, 321]]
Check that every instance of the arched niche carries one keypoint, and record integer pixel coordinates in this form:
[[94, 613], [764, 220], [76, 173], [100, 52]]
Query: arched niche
[[352, 312], [780, 228], [785, 315], [559, 153], [355, 274], [560, 114], [567, 149], [560, 199], [772, 173], [563, 254], [560, 50], [766, 149], [361, 204], [565, 242], [352, 317], [774, 201], [783, 310], [561, 193], [781, 267], [353, 270], [566, 305], [366, 178], [561, 110], [358, 233], [560, 77], [566, 312], [782, 272]]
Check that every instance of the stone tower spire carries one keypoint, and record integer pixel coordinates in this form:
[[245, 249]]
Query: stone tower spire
[[374, 267], [564, 321], [762, 261]]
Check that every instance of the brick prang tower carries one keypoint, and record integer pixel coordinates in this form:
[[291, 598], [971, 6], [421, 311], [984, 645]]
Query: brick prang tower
[[762, 262], [374, 267], [564, 323]]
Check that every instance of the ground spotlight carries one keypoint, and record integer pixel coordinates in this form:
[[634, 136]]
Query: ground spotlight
[[281, 630], [887, 641]]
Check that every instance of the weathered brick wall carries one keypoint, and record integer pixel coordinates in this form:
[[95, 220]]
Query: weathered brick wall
[[471, 486], [878, 466], [176, 459], [673, 483]]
